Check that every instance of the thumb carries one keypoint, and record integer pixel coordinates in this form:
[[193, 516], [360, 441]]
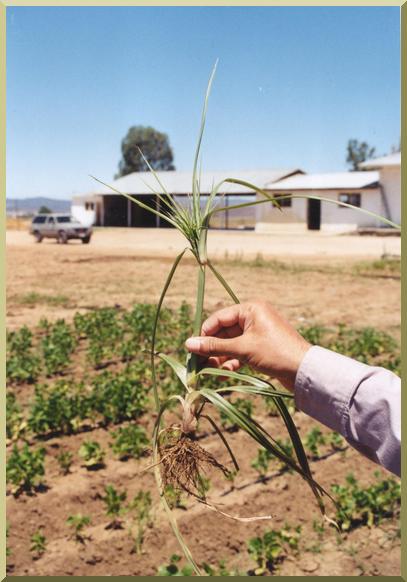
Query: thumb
[[214, 346]]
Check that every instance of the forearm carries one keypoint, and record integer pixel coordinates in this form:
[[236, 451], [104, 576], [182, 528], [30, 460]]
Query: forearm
[[360, 402]]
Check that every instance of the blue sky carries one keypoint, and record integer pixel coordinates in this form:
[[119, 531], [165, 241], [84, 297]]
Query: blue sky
[[292, 86]]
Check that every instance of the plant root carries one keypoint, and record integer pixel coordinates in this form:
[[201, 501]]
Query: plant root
[[183, 461]]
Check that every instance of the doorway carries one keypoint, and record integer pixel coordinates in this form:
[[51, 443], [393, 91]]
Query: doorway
[[314, 214]]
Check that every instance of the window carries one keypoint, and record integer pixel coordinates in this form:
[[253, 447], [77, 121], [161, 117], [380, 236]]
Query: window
[[354, 199], [284, 202], [64, 219], [39, 219], [51, 220], [89, 206]]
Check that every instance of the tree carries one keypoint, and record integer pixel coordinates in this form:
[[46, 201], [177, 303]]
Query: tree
[[44, 210], [154, 145], [358, 152]]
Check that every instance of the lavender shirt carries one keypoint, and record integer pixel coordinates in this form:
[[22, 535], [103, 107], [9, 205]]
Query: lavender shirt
[[360, 402]]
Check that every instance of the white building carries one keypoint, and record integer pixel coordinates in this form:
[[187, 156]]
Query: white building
[[360, 189], [103, 207], [389, 168], [377, 191]]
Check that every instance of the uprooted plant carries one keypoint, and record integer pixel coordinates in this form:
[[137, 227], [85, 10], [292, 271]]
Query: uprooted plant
[[179, 461]]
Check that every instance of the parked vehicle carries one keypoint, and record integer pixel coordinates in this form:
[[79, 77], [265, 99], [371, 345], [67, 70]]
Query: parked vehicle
[[62, 227]]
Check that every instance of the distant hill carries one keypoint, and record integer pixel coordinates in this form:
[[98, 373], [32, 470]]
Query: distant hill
[[31, 205]]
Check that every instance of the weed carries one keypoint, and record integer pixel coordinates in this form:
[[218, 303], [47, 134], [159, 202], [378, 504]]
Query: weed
[[33, 298]]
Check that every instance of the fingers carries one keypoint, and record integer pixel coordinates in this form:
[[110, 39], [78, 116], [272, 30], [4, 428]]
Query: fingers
[[224, 363], [231, 365], [214, 346], [229, 317]]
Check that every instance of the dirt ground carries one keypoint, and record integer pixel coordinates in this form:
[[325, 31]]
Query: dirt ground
[[308, 277], [311, 279]]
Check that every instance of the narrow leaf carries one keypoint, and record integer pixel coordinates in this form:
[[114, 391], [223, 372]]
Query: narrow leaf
[[155, 324], [178, 368]]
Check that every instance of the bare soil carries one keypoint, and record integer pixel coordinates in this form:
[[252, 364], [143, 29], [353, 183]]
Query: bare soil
[[317, 280]]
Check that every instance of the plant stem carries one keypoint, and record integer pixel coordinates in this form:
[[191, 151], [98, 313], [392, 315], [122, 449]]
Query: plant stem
[[192, 359]]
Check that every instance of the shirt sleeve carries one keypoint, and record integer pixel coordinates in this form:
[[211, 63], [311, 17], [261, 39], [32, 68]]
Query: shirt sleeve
[[360, 402]]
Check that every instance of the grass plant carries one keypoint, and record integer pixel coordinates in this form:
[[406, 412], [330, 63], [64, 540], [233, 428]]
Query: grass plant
[[178, 459]]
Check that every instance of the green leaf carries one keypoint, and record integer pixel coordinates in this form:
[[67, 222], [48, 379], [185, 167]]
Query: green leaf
[[195, 191], [254, 390], [223, 282], [243, 378], [178, 368], [155, 324]]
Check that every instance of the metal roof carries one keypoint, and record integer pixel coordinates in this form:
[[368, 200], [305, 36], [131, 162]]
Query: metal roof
[[384, 161], [332, 181], [177, 182]]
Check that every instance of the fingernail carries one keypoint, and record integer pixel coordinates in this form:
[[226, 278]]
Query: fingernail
[[193, 344]]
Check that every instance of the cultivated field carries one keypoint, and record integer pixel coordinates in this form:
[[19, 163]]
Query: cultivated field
[[86, 380]]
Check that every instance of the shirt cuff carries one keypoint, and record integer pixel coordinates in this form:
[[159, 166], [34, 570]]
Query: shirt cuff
[[324, 386]]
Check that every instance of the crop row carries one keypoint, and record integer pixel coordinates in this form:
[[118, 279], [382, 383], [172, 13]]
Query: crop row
[[110, 334], [105, 334]]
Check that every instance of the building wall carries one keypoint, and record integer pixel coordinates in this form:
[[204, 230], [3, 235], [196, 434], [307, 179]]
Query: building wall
[[86, 217], [390, 178], [333, 217]]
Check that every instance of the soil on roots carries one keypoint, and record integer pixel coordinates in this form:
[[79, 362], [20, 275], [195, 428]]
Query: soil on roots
[[184, 462]]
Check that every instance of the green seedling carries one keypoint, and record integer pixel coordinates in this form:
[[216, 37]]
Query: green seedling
[[22, 364], [15, 423], [65, 459], [269, 550], [113, 501], [92, 454], [57, 347], [140, 507], [336, 441], [38, 544], [174, 569], [77, 523], [25, 468], [313, 440], [174, 497], [129, 442], [366, 505]]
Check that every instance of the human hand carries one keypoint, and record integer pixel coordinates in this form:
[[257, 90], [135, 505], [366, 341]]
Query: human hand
[[252, 333]]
